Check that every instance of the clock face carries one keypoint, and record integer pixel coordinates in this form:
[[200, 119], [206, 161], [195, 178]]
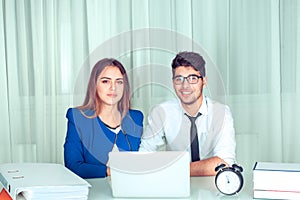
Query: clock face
[[229, 182]]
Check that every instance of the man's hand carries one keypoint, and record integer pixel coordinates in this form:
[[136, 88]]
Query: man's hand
[[205, 167]]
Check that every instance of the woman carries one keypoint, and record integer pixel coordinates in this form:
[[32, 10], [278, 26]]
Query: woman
[[103, 123]]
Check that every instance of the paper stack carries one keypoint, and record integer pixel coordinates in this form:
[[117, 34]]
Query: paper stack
[[47, 181], [276, 180]]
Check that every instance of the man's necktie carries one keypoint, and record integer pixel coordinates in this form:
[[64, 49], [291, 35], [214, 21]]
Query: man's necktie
[[194, 138]]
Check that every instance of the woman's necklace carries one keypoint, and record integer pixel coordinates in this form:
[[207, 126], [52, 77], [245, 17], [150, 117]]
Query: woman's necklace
[[111, 121]]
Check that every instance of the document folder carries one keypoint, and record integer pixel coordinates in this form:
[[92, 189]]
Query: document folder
[[47, 181]]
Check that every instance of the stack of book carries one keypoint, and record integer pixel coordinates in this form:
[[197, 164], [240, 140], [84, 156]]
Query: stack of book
[[276, 180], [47, 181]]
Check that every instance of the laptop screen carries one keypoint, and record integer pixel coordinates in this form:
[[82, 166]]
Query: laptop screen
[[150, 174]]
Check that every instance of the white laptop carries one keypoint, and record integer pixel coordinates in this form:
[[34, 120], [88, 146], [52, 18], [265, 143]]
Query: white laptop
[[162, 174]]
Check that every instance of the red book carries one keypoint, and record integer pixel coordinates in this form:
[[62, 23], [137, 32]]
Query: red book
[[4, 195]]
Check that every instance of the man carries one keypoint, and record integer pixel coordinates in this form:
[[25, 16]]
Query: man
[[192, 122]]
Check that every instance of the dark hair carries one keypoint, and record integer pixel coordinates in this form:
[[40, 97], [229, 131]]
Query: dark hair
[[92, 100], [187, 59]]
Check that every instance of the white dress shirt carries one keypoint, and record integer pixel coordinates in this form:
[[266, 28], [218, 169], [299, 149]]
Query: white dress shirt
[[168, 129]]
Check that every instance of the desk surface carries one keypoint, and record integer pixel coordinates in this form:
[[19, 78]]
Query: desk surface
[[201, 188]]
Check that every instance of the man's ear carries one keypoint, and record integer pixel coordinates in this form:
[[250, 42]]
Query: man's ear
[[204, 80]]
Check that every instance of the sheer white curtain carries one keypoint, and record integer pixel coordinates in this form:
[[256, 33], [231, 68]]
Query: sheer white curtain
[[47, 49], [290, 79]]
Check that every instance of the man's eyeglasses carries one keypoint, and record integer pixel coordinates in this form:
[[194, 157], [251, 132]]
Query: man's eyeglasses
[[191, 79]]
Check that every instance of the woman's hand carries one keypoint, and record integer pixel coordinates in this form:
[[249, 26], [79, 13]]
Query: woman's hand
[[108, 172]]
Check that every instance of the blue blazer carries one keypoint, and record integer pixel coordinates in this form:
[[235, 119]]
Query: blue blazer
[[88, 141]]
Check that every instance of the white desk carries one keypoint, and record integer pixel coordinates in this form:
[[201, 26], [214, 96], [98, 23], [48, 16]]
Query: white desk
[[201, 188]]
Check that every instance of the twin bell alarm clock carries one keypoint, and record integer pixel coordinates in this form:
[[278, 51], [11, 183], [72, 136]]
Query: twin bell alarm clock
[[229, 180]]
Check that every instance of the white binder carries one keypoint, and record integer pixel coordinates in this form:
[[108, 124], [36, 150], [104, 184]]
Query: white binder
[[47, 181]]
